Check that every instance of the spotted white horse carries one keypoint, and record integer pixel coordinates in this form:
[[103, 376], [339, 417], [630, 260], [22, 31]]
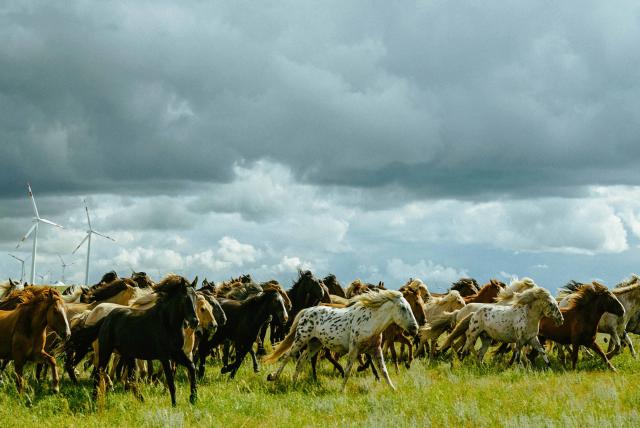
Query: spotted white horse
[[517, 323], [352, 330]]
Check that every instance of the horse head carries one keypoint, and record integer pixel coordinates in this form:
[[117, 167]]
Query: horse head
[[277, 307], [403, 316], [57, 315]]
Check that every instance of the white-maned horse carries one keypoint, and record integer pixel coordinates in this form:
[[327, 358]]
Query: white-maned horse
[[352, 330], [517, 323], [437, 325]]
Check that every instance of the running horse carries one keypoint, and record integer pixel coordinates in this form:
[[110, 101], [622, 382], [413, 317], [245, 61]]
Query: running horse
[[23, 331]]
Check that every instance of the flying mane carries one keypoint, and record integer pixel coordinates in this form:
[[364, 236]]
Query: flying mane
[[515, 286], [585, 294], [375, 300], [529, 296]]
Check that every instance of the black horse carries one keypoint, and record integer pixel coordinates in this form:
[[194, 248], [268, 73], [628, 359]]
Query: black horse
[[244, 319], [152, 334], [307, 291]]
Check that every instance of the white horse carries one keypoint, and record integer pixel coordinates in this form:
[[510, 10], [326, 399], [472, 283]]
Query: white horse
[[437, 325], [517, 323], [354, 330]]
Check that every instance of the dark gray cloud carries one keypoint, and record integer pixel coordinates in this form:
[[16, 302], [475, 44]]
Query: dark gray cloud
[[438, 99]]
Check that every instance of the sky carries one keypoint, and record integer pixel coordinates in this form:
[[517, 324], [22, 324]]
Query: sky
[[378, 140]]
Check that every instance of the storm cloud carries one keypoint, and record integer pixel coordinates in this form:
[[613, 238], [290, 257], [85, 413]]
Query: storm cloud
[[362, 138]]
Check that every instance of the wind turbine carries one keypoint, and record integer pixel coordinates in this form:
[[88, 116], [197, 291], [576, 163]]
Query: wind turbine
[[21, 265], [36, 221], [64, 266], [88, 239]]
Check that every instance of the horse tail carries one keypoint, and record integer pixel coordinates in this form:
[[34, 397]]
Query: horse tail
[[286, 344], [460, 329], [83, 336]]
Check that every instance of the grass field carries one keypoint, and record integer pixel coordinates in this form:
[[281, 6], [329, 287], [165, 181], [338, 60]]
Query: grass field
[[430, 393]]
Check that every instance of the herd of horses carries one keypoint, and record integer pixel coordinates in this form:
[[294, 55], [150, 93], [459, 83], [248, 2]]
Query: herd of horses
[[120, 326]]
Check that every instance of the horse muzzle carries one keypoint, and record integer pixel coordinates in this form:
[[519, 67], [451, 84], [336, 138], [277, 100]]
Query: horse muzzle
[[413, 330]]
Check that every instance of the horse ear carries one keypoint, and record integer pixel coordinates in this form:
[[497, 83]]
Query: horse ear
[[195, 282], [11, 283]]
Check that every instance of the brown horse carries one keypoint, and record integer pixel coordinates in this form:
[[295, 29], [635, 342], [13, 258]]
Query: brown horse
[[394, 333], [581, 319], [120, 291], [331, 282], [487, 293], [23, 331]]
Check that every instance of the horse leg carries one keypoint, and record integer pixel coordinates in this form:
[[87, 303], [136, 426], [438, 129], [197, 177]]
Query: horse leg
[[55, 383], [535, 343], [615, 341], [627, 340], [204, 349], [299, 362], [352, 357], [168, 373], [602, 354], [394, 355], [329, 356], [486, 342], [406, 341], [241, 353], [182, 359], [378, 360], [575, 348], [254, 360], [262, 337], [298, 344], [19, 369]]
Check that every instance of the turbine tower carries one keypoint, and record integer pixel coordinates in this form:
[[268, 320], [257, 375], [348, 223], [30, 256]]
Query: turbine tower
[[34, 229], [64, 266], [21, 265], [88, 239]]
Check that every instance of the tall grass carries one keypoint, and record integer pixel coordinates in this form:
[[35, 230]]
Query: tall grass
[[430, 393]]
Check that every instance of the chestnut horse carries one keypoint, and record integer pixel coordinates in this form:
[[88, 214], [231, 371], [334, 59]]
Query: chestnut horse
[[23, 331], [487, 294], [581, 319]]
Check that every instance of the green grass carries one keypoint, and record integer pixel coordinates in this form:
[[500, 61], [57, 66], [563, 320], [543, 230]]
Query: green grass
[[430, 393]]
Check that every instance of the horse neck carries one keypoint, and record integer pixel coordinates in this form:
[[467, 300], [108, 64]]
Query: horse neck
[[381, 318], [535, 312], [630, 300], [32, 319], [171, 317]]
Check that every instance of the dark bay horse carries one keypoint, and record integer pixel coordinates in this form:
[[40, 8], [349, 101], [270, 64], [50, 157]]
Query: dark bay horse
[[23, 330], [334, 287], [487, 294], [147, 334], [581, 319], [306, 291], [244, 320]]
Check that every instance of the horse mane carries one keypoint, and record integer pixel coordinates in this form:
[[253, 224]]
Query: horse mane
[[529, 296], [17, 297], [634, 286], [515, 286], [375, 300], [585, 294], [415, 284], [633, 279], [170, 284], [356, 287], [109, 290], [462, 282]]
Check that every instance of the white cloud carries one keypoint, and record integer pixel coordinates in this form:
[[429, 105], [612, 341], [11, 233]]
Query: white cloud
[[435, 275]]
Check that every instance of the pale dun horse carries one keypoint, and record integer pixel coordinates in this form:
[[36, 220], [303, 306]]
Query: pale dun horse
[[354, 330], [518, 323]]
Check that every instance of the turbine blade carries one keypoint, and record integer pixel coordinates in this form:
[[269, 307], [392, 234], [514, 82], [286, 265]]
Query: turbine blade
[[26, 235], [61, 260], [87, 211], [80, 244], [104, 236], [17, 258], [44, 220], [33, 201]]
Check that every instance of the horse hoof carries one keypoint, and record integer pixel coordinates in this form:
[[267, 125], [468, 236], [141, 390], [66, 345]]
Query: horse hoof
[[56, 390], [271, 377], [193, 398], [256, 369], [225, 369]]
